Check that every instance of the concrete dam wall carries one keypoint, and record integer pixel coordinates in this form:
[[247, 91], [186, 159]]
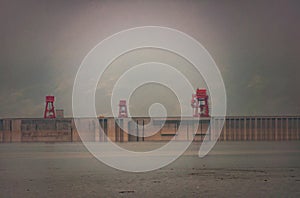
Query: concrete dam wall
[[236, 128]]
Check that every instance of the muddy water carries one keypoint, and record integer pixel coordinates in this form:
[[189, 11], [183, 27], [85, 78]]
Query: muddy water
[[245, 169]]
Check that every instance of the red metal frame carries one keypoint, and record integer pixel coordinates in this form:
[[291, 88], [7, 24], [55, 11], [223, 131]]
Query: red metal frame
[[199, 103], [123, 109], [49, 108]]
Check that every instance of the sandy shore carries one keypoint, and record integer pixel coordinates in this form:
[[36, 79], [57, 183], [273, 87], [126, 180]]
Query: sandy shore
[[239, 169]]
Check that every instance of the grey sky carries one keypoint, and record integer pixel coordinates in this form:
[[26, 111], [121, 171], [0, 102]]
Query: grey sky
[[255, 44]]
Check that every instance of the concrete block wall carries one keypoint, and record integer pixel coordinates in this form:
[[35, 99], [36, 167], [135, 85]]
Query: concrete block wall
[[7, 131], [253, 128], [171, 128], [74, 133], [46, 130], [237, 128], [16, 135]]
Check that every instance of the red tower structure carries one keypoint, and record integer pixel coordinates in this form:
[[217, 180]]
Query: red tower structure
[[123, 109], [49, 108], [200, 102]]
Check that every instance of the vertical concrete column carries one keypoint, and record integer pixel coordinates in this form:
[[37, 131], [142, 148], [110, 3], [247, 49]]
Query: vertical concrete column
[[101, 131], [235, 136], [137, 130], [221, 137], [125, 131], [228, 130], [231, 133], [73, 128], [293, 129], [238, 133], [187, 130], [218, 138], [240, 129], [225, 130], [75, 135], [1, 131], [276, 129], [255, 129], [193, 129], [297, 128], [245, 128], [221, 134], [261, 129], [235, 126], [281, 129], [97, 131], [7, 130], [272, 130], [268, 129], [16, 131], [250, 129], [1, 135], [211, 132], [111, 129], [187, 135], [234, 129], [287, 129]]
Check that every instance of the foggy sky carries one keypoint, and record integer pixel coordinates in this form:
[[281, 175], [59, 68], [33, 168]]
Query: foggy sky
[[255, 44]]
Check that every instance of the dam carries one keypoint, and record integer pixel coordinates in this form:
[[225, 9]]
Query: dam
[[236, 128]]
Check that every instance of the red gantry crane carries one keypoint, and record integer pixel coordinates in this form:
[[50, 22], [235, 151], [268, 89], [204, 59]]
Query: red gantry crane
[[123, 109], [199, 103], [49, 109]]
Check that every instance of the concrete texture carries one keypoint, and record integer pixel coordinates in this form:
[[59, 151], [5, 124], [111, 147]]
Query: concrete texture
[[238, 128]]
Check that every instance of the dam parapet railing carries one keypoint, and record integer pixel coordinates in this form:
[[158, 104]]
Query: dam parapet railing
[[236, 128]]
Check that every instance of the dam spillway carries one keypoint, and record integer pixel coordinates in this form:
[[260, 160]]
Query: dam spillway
[[236, 128]]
